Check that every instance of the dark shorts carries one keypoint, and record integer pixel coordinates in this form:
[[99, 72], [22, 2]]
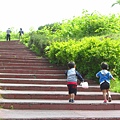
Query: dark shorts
[[104, 86], [72, 88]]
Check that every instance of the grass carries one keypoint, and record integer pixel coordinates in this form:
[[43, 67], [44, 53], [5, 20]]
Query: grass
[[115, 85]]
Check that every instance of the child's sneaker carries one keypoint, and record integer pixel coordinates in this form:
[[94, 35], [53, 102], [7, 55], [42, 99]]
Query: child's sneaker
[[109, 99], [71, 100], [105, 101]]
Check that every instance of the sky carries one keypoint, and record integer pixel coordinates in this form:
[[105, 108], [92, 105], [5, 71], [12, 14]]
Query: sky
[[28, 14]]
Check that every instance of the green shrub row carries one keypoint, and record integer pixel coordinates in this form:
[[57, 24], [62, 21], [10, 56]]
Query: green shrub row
[[87, 24], [87, 54]]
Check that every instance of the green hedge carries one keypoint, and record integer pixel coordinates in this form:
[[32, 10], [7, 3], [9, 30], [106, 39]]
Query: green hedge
[[88, 54]]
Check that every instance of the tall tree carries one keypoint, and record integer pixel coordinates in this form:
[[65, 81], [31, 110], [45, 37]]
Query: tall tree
[[117, 2]]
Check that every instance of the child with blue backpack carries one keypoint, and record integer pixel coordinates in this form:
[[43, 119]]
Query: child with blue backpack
[[104, 79]]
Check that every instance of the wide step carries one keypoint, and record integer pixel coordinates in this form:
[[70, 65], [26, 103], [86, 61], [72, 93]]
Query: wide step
[[42, 81], [32, 81], [58, 104], [60, 95], [28, 71], [59, 115], [45, 87], [45, 76]]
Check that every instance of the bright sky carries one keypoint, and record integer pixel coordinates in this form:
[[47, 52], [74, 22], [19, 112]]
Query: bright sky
[[34, 13]]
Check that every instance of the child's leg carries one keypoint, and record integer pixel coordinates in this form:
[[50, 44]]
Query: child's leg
[[104, 95], [72, 92], [72, 96], [7, 37], [109, 95]]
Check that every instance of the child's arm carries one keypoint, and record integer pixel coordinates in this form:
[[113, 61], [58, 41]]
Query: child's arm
[[111, 77], [97, 75], [66, 72], [79, 76]]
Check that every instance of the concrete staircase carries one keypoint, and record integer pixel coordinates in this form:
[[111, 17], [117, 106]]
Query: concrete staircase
[[33, 89]]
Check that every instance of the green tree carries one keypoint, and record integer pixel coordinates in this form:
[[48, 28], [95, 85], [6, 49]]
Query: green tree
[[117, 2]]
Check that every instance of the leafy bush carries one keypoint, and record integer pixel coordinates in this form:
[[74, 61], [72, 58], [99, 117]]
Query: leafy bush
[[88, 54], [96, 51], [25, 39], [115, 85], [87, 24], [38, 43], [63, 52]]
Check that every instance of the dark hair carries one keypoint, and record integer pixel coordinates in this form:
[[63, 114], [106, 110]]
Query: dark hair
[[71, 64], [104, 65]]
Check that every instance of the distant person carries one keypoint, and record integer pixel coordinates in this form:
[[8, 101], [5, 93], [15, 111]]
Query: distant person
[[104, 79], [72, 76], [8, 34], [21, 32]]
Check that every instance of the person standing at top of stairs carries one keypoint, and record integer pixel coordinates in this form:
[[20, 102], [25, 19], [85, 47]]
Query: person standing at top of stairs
[[21, 32], [8, 34]]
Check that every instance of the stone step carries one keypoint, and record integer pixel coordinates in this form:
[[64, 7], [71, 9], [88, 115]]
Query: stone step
[[32, 81], [9, 58], [24, 64], [13, 46], [59, 114], [22, 60], [43, 87], [27, 71], [17, 56], [44, 76], [58, 104], [60, 95], [32, 67], [18, 51], [21, 52], [40, 81]]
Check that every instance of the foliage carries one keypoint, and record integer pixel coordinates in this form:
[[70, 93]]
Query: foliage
[[65, 50], [117, 2], [52, 27], [38, 42], [87, 53], [95, 51], [25, 38], [115, 85], [2, 35], [86, 25]]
